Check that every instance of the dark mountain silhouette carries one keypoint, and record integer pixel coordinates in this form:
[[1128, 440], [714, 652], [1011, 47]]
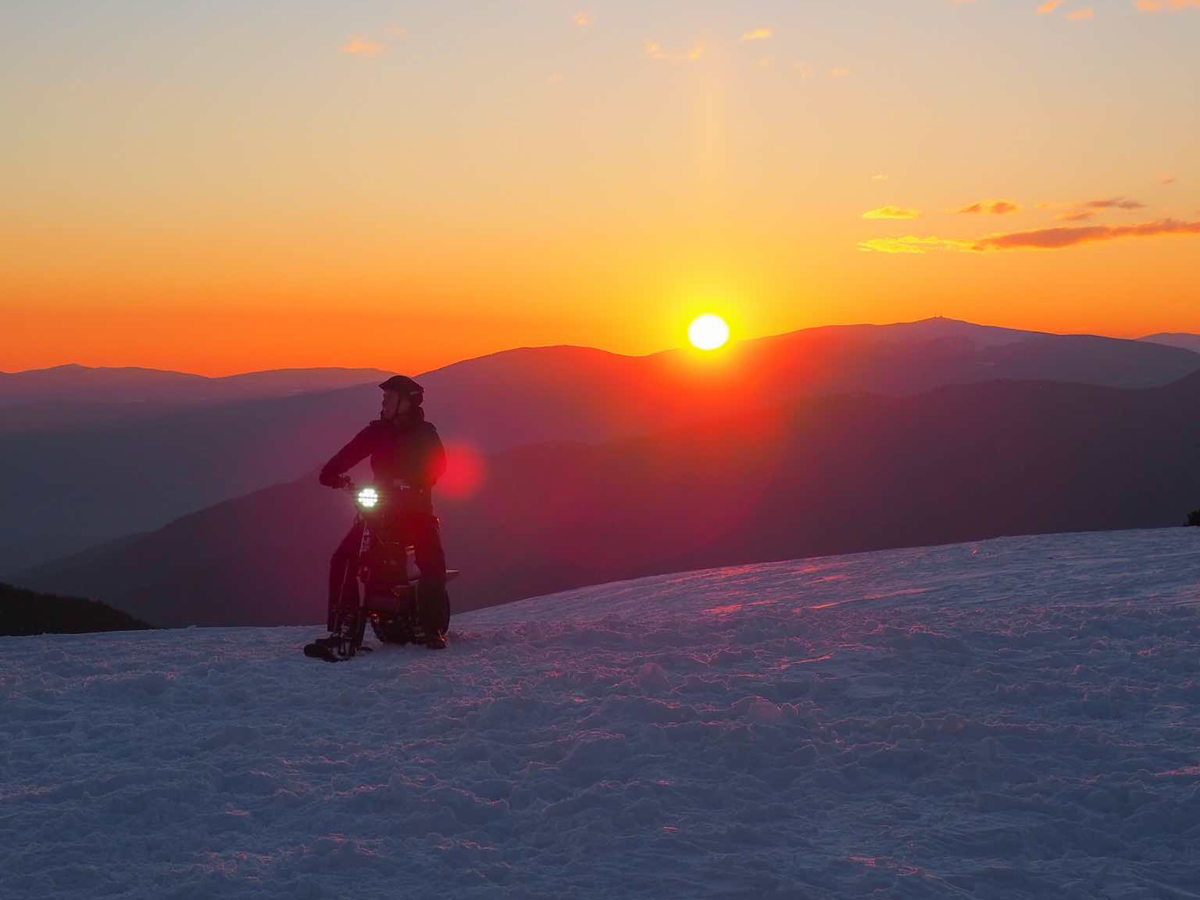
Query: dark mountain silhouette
[[1175, 339], [824, 475], [25, 612], [63, 489]]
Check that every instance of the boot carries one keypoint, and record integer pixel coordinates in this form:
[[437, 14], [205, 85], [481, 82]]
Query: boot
[[434, 607], [436, 641]]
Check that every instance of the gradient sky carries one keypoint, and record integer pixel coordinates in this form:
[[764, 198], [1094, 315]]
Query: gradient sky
[[231, 185]]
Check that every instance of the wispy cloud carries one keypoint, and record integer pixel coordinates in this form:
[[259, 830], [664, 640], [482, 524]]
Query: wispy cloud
[[879, 177], [991, 207], [1114, 203], [1157, 6], [758, 34], [1049, 6], [655, 50], [358, 46], [1083, 14], [1068, 236], [1087, 209], [891, 212], [1038, 239], [398, 31], [582, 19], [911, 243]]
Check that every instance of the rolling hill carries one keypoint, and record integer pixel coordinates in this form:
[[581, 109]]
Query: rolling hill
[[825, 475], [65, 488]]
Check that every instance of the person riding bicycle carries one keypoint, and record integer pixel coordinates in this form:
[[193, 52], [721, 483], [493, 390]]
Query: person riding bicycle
[[407, 458]]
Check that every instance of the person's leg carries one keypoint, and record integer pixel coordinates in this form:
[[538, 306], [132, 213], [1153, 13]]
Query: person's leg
[[341, 571], [431, 586]]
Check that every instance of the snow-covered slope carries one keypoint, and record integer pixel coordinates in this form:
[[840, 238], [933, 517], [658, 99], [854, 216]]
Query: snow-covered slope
[[1014, 718]]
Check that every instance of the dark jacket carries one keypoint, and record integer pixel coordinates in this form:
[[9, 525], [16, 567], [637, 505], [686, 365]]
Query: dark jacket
[[407, 458]]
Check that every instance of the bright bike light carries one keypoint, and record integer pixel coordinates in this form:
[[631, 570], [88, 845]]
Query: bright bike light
[[367, 498]]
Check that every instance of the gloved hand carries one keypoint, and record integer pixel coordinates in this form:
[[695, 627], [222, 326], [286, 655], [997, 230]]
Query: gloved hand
[[333, 481]]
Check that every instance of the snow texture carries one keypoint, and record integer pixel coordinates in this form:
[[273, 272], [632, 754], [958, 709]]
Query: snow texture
[[1014, 718]]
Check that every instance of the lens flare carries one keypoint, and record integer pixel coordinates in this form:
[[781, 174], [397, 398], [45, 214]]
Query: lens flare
[[708, 332], [466, 470]]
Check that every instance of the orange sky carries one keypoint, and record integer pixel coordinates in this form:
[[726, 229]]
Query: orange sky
[[213, 188]]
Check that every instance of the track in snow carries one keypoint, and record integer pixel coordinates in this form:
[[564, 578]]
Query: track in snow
[[1013, 718]]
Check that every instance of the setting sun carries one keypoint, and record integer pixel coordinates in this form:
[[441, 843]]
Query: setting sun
[[708, 332]]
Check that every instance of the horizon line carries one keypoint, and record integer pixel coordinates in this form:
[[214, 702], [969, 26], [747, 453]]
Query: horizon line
[[681, 347]]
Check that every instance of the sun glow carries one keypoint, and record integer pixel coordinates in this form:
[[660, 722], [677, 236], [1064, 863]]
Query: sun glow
[[708, 332]]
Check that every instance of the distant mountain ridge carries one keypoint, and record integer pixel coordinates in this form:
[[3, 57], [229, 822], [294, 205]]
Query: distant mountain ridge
[[75, 398], [820, 476], [1175, 339], [64, 488], [74, 383], [530, 395]]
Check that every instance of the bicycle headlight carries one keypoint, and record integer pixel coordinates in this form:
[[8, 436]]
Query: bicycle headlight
[[368, 497]]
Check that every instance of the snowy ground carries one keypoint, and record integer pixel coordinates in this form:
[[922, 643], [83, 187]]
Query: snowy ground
[[1014, 718]]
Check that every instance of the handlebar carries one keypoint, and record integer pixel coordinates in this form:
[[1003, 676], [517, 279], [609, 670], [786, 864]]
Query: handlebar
[[397, 485]]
